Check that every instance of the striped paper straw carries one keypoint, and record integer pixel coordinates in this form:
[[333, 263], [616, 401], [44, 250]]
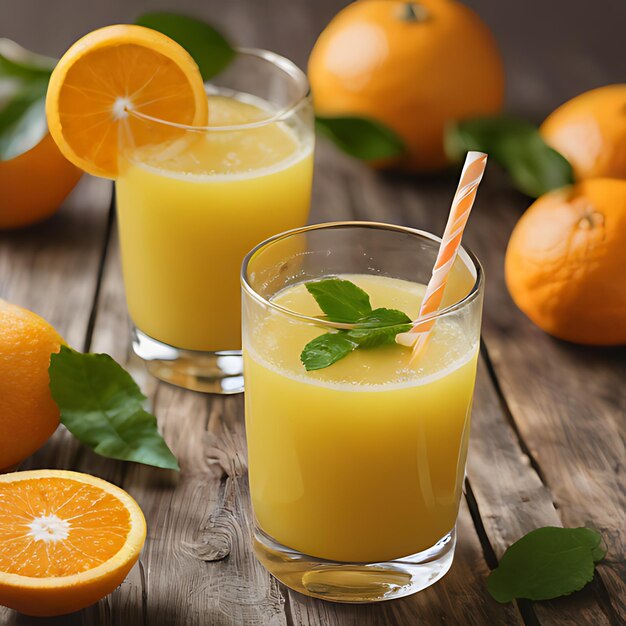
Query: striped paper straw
[[472, 174]]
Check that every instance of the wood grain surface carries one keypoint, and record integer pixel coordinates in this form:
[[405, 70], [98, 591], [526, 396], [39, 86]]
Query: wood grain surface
[[547, 443]]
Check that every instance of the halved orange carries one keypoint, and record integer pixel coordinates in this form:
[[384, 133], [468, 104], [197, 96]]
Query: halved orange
[[66, 540], [110, 72]]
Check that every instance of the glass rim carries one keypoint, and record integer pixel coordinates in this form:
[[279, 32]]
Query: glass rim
[[279, 61], [456, 306]]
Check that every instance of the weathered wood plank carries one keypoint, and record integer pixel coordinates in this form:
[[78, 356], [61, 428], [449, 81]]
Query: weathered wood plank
[[12, 618], [52, 267]]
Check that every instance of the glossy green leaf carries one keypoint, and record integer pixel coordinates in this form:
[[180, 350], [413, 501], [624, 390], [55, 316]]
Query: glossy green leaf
[[382, 317], [379, 328], [547, 563], [102, 406], [341, 300], [326, 350], [17, 62], [361, 137], [23, 120], [209, 48], [517, 146], [24, 80], [345, 302]]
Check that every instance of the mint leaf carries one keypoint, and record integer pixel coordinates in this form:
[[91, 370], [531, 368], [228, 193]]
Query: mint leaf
[[326, 350], [546, 563], [102, 406], [376, 337], [209, 48], [361, 137], [517, 146], [379, 328], [341, 300], [383, 317], [345, 302]]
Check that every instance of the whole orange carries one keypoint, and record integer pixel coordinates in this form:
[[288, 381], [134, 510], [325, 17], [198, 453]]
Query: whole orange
[[28, 414], [414, 66], [566, 259], [590, 132], [34, 184]]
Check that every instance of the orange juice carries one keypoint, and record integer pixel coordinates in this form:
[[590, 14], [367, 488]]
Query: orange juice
[[189, 212], [362, 461]]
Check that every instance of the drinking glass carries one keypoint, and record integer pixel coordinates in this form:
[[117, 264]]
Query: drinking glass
[[356, 470], [191, 201]]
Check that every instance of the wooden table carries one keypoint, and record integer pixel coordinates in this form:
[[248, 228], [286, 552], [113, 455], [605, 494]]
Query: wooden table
[[547, 445]]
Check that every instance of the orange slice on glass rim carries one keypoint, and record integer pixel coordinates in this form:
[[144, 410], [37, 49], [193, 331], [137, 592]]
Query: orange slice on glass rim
[[109, 73], [66, 540]]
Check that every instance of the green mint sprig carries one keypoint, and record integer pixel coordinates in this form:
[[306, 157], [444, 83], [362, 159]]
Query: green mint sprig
[[102, 406], [343, 302], [547, 563]]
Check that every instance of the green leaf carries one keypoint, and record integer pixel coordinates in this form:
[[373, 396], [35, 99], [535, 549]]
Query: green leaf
[[326, 350], [517, 146], [341, 300], [380, 328], [376, 337], [23, 121], [361, 137], [17, 62], [599, 551], [546, 563], [102, 406], [24, 80], [383, 317], [345, 302], [210, 50]]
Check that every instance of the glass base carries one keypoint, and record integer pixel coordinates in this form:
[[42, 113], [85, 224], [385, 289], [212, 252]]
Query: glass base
[[355, 582], [209, 372]]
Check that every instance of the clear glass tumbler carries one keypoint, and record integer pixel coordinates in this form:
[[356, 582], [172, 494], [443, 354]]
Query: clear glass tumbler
[[191, 201], [356, 470]]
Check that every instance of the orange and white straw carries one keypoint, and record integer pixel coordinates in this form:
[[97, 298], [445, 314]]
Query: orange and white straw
[[472, 174]]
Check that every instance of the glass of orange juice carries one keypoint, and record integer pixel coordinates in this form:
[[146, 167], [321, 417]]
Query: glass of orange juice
[[193, 200], [356, 469]]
